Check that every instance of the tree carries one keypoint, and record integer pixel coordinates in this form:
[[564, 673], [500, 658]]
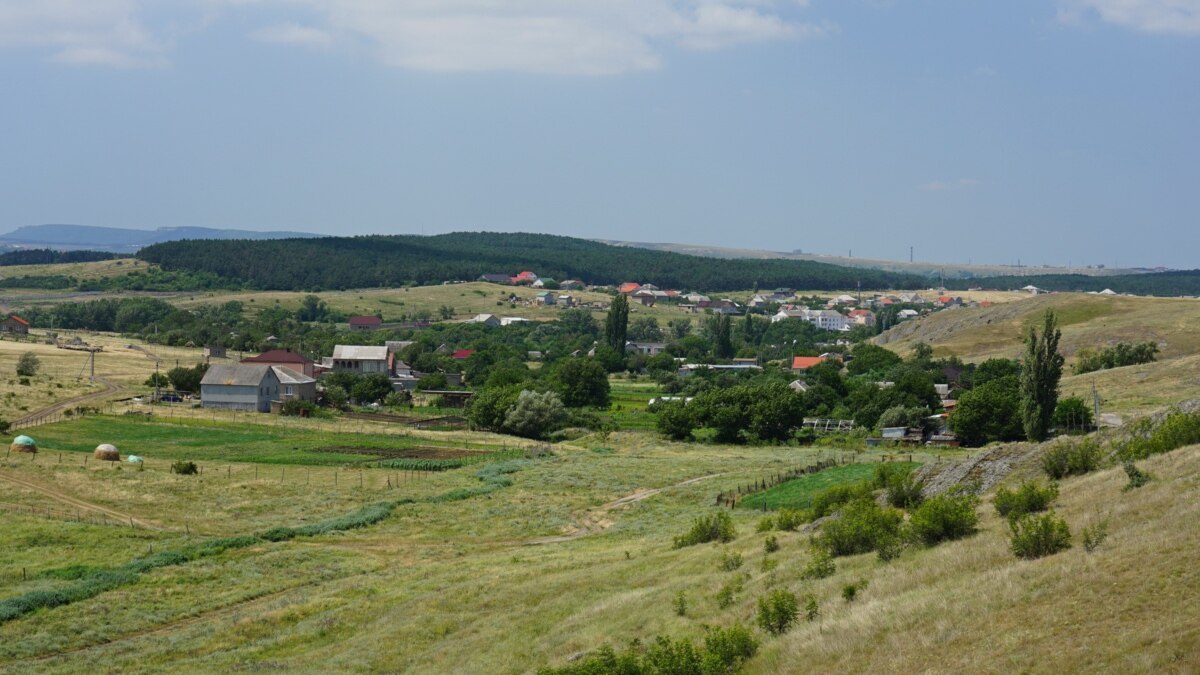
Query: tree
[[158, 380], [578, 322], [680, 328], [535, 415], [987, 413], [1041, 371], [675, 420], [582, 382], [616, 325], [1072, 413], [371, 388], [722, 337], [488, 407], [187, 379], [645, 329], [869, 358], [446, 312], [312, 308], [28, 365]]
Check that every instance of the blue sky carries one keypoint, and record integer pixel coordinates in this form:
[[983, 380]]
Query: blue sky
[[1054, 131]]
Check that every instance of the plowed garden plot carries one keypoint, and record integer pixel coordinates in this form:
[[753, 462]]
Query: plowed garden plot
[[417, 452]]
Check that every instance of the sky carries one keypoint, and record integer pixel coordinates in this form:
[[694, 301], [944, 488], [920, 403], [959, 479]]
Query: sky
[[1049, 132]]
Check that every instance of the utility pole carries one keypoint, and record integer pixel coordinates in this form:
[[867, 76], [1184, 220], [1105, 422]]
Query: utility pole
[[1096, 403], [155, 379], [910, 254]]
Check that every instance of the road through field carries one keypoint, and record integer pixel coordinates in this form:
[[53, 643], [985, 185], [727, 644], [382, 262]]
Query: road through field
[[64, 498], [109, 390], [596, 520]]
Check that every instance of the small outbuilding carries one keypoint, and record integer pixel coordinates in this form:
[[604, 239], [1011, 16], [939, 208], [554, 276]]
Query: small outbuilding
[[23, 444]]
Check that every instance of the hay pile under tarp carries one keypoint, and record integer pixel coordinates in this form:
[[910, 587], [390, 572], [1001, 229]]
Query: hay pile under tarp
[[106, 452], [23, 444]]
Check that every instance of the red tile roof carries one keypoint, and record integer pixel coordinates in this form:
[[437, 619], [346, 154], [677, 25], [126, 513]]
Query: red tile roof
[[460, 354], [628, 287], [18, 319], [806, 362]]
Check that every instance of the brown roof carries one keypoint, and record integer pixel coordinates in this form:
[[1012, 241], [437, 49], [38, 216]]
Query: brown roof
[[367, 320], [277, 356]]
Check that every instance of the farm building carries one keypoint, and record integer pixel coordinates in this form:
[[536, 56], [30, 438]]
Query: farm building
[[14, 324], [283, 358], [249, 387], [366, 322], [359, 359], [295, 385]]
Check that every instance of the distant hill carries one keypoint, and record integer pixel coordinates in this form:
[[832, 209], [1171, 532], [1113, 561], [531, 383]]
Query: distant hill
[[390, 261], [931, 269], [121, 240]]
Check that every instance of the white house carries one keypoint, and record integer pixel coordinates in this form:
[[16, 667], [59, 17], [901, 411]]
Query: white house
[[295, 385], [359, 359], [647, 348], [486, 319], [826, 319]]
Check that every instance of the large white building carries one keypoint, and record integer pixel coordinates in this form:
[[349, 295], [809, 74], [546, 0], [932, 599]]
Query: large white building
[[826, 319]]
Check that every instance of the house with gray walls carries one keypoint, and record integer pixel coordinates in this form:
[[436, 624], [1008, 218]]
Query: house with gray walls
[[239, 386]]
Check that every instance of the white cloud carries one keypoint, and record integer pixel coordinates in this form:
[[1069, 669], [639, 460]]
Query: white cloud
[[292, 33], [589, 37], [78, 32], [1181, 17], [943, 185]]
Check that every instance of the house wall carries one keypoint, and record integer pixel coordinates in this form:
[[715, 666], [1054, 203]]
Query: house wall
[[10, 326], [365, 367], [237, 397], [303, 392]]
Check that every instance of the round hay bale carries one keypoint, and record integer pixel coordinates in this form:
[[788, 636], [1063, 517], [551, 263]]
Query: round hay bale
[[106, 452], [24, 444]]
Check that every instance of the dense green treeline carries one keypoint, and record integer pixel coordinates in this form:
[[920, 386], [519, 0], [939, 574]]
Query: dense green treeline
[[45, 256], [372, 261], [1167, 284]]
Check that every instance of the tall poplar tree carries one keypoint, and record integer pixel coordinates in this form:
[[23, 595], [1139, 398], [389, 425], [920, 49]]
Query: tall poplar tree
[[616, 325], [1040, 373]]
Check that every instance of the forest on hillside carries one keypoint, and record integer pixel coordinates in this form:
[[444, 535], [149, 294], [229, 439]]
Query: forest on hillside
[[1166, 284], [46, 256], [375, 261]]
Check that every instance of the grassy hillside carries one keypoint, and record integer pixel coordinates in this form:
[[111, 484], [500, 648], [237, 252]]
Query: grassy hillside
[[477, 585], [102, 269], [1088, 321]]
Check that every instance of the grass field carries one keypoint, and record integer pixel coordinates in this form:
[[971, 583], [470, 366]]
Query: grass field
[[466, 300], [455, 587], [799, 492], [82, 271]]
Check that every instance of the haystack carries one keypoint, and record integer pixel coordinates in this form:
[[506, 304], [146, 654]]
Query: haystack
[[107, 453], [23, 444]]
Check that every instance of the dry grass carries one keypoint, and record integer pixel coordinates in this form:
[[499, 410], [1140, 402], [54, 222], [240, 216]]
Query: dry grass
[[467, 300], [87, 270]]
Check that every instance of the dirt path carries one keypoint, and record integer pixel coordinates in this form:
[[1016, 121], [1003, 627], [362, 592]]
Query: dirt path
[[109, 390], [78, 503], [596, 520]]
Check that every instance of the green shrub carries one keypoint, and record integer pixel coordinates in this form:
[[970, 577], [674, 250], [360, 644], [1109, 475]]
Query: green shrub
[[789, 520], [728, 648], [771, 544], [297, 408], [1175, 431], [860, 528], [1093, 535], [716, 527], [731, 561], [904, 491], [1071, 459], [890, 548], [1036, 536], [819, 566], [1030, 497], [944, 518], [765, 524], [831, 499], [1137, 477], [778, 611], [724, 651], [812, 609], [184, 468], [850, 591], [680, 604]]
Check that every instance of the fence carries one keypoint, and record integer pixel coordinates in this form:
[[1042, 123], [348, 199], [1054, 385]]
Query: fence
[[76, 516], [828, 426], [53, 417], [731, 498]]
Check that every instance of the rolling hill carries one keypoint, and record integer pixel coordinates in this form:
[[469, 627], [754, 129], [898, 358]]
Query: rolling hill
[[121, 240], [378, 261]]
